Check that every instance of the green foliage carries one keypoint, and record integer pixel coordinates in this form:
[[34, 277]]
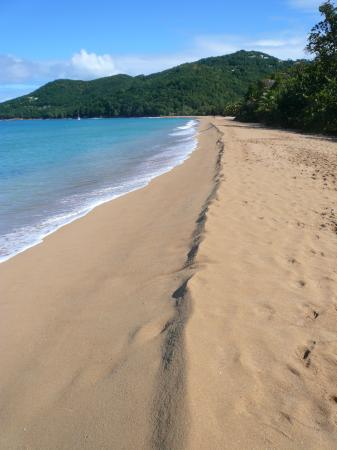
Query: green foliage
[[209, 86], [322, 41], [232, 109], [305, 96]]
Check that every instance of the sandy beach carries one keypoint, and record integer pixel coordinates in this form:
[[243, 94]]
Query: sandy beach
[[197, 313]]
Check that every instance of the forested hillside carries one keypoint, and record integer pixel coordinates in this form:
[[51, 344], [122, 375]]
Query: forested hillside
[[208, 86]]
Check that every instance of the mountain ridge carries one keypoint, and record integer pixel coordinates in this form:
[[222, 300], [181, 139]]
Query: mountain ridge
[[204, 87]]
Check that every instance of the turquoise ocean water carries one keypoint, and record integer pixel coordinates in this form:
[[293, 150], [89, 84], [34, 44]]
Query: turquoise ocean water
[[54, 171]]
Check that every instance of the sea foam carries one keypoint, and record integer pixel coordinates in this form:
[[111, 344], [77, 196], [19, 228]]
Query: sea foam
[[162, 150]]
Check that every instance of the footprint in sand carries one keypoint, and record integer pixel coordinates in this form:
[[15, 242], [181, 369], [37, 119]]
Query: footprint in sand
[[308, 353]]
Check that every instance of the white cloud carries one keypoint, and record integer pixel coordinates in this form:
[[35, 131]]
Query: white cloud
[[92, 65], [146, 64], [284, 47], [270, 43], [81, 65], [14, 69]]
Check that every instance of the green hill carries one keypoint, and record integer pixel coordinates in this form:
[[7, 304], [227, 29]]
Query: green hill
[[207, 86]]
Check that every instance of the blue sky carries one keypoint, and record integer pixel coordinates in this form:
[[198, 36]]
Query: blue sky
[[42, 40]]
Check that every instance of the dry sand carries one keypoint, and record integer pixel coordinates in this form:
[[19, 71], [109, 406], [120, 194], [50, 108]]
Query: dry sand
[[197, 313], [261, 342]]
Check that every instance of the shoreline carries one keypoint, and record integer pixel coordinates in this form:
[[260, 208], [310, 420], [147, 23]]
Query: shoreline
[[111, 117], [90, 315], [78, 214]]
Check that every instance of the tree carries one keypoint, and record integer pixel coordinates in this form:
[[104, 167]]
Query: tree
[[322, 40]]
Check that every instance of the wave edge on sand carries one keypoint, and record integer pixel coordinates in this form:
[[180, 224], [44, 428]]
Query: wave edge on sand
[[170, 411]]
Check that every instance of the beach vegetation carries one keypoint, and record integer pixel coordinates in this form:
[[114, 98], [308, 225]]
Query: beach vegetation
[[304, 96]]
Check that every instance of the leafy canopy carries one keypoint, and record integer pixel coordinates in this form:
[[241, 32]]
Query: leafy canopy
[[304, 96], [322, 40]]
